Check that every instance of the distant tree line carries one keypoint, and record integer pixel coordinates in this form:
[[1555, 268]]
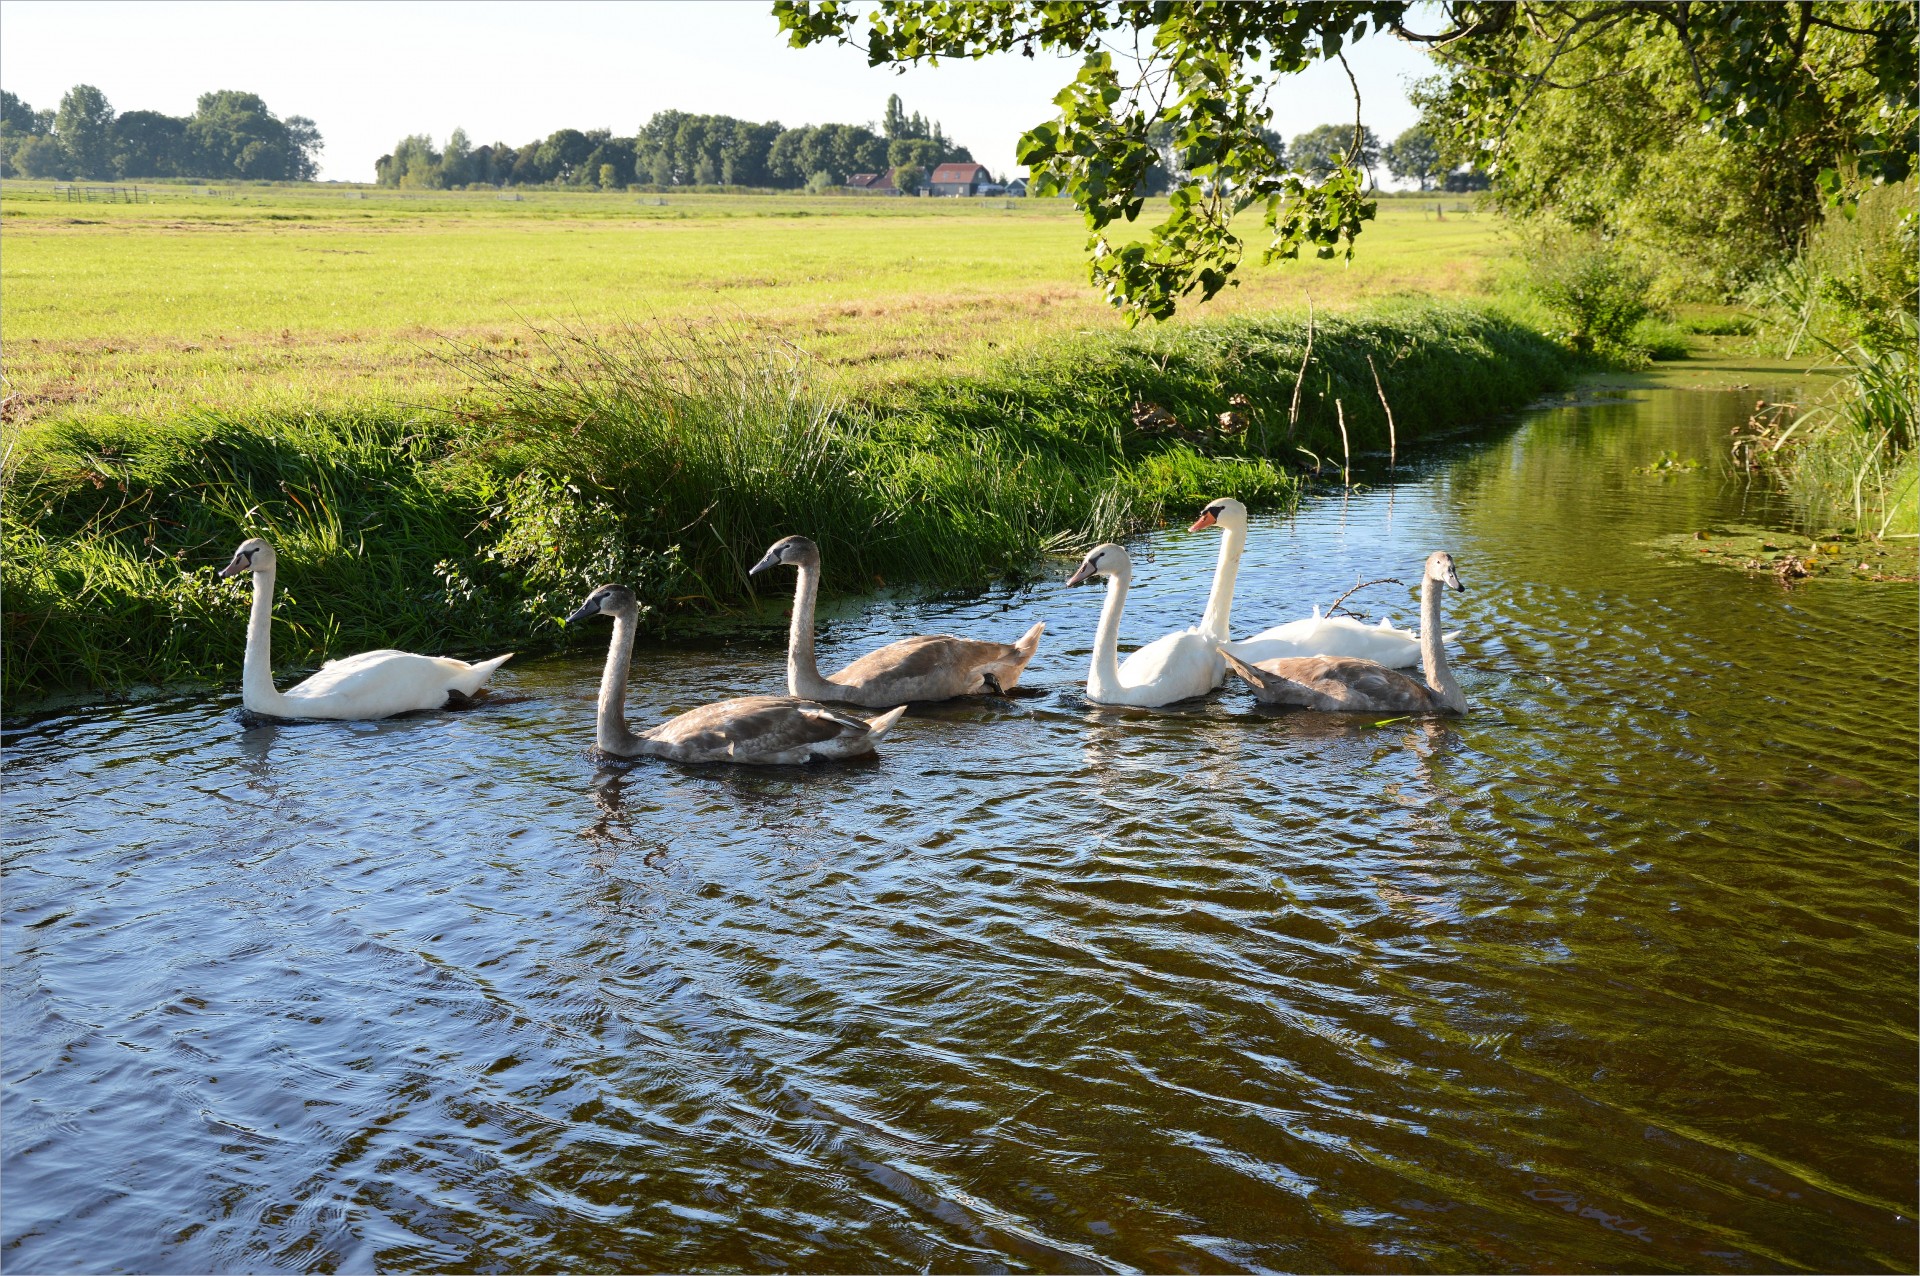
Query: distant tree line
[[1413, 156], [229, 135], [677, 149]]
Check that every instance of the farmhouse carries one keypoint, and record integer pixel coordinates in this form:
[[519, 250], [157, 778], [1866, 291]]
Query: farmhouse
[[959, 179], [873, 184]]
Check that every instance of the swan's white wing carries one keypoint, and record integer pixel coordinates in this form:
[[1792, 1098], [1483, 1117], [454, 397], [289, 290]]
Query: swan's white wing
[[376, 684], [1331, 636], [1176, 667]]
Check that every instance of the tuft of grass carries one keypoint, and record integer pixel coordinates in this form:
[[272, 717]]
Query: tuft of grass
[[1659, 339]]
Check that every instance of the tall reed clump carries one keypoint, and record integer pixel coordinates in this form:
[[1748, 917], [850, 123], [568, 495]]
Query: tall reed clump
[[1850, 460], [1853, 292], [671, 459]]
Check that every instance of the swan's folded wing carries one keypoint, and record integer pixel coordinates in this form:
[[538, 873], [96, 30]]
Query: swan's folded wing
[[1184, 664], [378, 683], [1331, 636], [926, 656], [1349, 677], [754, 725]]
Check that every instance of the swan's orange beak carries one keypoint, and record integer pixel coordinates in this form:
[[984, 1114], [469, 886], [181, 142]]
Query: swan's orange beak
[[1205, 521]]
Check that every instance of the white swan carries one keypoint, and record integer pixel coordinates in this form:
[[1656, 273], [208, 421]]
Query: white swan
[[1318, 636], [927, 667], [1343, 684], [373, 684], [1176, 667], [755, 730]]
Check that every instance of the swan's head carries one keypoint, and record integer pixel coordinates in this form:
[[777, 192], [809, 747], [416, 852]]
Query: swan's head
[[1440, 568], [1102, 560], [795, 551], [254, 555], [608, 600], [1225, 512]]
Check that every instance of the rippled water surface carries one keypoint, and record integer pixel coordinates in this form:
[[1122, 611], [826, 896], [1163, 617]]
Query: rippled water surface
[[1618, 973]]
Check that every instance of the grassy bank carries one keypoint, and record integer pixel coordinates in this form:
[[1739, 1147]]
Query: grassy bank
[[670, 462]]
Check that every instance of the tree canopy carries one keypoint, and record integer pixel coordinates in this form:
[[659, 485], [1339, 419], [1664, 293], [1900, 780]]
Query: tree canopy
[[230, 135], [1319, 152], [1207, 69], [675, 148], [1706, 140], [1414, 156]]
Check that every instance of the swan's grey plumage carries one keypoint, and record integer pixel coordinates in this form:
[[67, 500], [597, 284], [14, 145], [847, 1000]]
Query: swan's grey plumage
[[752, 730], [926, 667], [1346, 684], [373, 684]]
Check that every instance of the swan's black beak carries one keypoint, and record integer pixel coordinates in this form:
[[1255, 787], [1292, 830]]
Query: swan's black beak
[[591, 607], [771, 560], [1453, 581]]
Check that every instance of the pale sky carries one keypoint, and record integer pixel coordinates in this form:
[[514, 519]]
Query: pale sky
[[371, 72]]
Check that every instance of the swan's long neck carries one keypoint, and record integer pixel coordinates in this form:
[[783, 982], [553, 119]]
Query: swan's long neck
[[610, 724], [803, 671], [1214, 622], [1433, 649], [1103, 675], [257, 691]]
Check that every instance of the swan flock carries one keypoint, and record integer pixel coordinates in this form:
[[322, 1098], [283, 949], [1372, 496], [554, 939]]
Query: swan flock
[[1327, 663]]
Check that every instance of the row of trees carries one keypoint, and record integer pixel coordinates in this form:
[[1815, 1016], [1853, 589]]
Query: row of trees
[[1318, 153], [229, 135], [675, 148]]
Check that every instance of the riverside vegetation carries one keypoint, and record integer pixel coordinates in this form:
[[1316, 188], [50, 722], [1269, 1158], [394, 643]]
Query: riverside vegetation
[[912, 381], [660, 459], [918, 383]]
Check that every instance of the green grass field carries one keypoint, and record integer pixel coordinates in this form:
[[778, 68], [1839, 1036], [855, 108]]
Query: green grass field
[[317, 297]]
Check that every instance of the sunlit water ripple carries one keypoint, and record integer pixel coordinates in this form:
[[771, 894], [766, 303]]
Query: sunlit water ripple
[[1618, 973]]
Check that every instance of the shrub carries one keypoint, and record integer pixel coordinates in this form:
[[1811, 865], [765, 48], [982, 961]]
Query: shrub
[[1595, 290]]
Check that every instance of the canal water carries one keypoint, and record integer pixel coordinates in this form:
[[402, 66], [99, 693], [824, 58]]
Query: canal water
[[1616, 974]]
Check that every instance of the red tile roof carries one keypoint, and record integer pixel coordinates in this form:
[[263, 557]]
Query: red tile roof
[[960, 173]]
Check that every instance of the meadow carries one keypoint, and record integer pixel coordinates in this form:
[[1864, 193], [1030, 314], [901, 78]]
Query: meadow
[[456, 413], [313, 297]]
